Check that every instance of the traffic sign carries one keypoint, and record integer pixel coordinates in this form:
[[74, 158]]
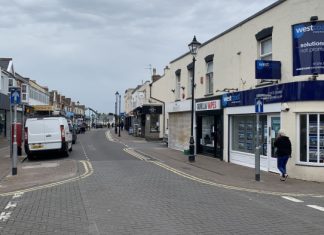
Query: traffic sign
[[15, 96], [259, 105]]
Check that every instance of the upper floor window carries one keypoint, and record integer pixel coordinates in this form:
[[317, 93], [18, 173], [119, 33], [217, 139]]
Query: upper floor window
[[266, 49], [10, 82], [178, 86], [209, 78], [189, 90], [2, 82]]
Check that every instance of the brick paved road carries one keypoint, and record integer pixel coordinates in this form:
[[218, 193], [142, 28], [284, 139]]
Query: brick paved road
[[129, 196]]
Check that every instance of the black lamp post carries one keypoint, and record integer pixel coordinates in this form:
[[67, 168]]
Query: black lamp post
[[119, 116], [193, 47], [116, 103]]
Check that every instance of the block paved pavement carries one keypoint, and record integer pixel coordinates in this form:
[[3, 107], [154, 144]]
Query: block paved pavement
[[218, 171]]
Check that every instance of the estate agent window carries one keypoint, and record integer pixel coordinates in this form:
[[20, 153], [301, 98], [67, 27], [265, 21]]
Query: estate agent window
[[244, 133], [209, 78], [311, 138]]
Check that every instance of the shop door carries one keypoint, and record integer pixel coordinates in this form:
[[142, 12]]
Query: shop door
[[274, 127]]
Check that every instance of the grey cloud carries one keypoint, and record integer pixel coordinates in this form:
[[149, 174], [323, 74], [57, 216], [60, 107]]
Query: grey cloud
[[84, 48]]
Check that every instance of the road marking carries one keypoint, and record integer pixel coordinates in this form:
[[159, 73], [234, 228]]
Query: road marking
[[4, 216], [219, 185], [17, 195], [292, 199], [10, 205], [84, 152], [88, 170], [316, 207], [109, 137]]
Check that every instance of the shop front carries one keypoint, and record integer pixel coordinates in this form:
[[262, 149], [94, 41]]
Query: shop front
[[209, 127], [152, 115], [179, 124], [146, 121], [297, 107], [4, 116]]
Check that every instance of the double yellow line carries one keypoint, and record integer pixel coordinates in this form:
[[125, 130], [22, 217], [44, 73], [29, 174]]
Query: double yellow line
[[207, 182], [88, 170]]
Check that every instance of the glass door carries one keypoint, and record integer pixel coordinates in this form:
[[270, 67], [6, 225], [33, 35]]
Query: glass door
[[274, 127]]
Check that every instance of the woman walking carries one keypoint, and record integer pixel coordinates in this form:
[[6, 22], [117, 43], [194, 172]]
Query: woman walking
[[283, 153]]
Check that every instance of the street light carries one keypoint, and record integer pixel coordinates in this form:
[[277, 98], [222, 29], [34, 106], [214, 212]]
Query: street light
[[116, 94], [119, 116], [193, 47]]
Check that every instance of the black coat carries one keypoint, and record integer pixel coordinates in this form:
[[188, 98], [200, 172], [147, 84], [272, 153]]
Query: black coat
[[283, 146]]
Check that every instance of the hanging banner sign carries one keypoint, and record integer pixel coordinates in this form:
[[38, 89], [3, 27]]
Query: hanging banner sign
[[267, 69], [308, 48]]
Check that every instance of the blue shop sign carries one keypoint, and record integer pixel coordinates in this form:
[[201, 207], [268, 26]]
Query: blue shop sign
[[308, 48], [287, 92], [267, 69]]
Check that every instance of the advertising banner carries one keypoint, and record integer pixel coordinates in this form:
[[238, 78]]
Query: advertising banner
[[308, 48], [286, 92], [267, 69]]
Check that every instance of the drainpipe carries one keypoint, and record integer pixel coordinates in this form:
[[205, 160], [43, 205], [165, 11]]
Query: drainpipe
[[163, 108]]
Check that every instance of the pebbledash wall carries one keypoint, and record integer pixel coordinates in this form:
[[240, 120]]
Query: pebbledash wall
[[295, 102]]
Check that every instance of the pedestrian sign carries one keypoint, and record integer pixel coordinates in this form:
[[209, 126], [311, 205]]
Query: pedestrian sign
[[259, 105], [15, 95]]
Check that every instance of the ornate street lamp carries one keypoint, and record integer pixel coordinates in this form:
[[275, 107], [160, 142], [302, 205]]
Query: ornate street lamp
[[119, 116], [193, 47], [116, 103]]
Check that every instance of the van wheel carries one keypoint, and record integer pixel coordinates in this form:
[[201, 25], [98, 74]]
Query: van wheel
[[66, 152], [30, 157]]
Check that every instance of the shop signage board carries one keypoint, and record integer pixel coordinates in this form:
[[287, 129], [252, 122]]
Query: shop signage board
[[208, 105], [308, 48], [286, 92], [150, 109], [267, 69]]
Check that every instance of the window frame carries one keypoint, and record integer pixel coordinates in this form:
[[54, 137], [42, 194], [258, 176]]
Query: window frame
[[190, 77], [178, 87], [209, 88], [298, 152], [262, 56]]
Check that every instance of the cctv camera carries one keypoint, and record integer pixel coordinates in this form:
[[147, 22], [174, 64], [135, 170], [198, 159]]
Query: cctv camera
[[284, 107]]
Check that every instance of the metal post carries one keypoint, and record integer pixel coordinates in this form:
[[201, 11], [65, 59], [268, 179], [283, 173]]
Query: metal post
[[10, 129], [257, 150], [119, 116], [116, 116], [14, 150], [192, 141]]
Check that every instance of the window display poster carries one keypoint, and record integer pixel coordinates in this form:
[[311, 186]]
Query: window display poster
[[308, 48]]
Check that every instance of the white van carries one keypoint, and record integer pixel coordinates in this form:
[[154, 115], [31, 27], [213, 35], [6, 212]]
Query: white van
[[47, 134]]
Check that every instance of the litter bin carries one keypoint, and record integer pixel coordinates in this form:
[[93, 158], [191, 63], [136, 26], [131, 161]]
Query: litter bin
[[18, 136]]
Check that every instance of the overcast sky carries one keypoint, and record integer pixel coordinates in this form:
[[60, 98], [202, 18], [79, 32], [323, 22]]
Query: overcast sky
[[89, 49]]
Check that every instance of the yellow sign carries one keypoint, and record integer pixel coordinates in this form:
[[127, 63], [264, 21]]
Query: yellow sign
[[43, 108]]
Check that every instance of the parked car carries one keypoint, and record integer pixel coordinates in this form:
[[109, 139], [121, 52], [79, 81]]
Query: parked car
[[73, 130], [77, 128], [46, 134]]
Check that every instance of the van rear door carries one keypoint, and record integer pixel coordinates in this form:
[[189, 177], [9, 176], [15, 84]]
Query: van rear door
[[52, 130], [35, 131]]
